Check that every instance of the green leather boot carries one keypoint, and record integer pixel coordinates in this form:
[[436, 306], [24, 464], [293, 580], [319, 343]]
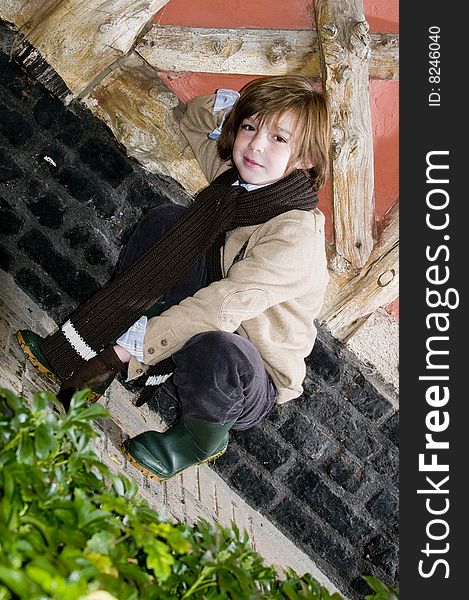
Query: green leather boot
[[30, 343], [188, 442]]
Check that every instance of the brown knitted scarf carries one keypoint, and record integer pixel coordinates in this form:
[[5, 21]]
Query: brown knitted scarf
[[217, 209]]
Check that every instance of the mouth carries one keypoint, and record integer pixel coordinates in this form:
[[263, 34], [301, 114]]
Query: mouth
[[250, 162]]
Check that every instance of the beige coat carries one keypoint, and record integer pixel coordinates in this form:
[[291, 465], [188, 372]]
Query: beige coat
[[271, 296]]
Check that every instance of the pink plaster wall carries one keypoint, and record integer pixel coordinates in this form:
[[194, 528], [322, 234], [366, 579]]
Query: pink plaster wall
[[274, 14], [383, 16]]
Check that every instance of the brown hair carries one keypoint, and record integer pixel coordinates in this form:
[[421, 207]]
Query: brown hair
[[269, 98]]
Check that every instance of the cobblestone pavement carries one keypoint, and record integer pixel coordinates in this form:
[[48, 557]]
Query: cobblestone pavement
[[196, 493]]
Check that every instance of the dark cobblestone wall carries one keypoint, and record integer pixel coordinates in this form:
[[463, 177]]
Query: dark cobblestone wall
[[69, 195], [323, 468]]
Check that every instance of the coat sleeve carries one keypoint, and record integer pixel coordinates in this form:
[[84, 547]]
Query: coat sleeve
[[198, 121], [273, 271]]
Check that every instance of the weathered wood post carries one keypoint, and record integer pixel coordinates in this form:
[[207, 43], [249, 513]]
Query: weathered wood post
[[345, 50], [350, 302], [80, 40]]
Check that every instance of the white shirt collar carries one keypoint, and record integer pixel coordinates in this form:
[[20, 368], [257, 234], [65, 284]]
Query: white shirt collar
[[249, 186]]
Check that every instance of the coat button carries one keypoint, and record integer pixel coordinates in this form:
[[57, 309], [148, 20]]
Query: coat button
[[151, 351], [139, 371], [164, 342]]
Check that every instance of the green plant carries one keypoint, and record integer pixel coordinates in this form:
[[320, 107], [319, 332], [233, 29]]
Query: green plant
[[71, 529], [383, 592]]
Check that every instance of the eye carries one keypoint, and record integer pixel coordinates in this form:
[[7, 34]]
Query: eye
[[279, 138], [247, 127]]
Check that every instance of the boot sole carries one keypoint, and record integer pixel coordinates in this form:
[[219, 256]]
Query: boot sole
[[148, 473], [44, 371], [93, 397]]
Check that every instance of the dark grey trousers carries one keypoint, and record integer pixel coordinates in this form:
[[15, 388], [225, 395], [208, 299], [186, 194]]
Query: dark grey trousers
[[219, 375]]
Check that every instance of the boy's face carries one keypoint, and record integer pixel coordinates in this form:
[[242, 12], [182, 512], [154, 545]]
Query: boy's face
[[262, 153]]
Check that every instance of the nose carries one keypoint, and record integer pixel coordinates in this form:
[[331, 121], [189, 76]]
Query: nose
[[257, 142]]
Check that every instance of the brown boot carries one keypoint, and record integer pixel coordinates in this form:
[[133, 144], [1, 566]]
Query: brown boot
[[91, 374]]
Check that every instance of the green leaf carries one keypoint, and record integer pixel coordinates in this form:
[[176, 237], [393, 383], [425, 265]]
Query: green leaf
[[135, 573], [289, 590], [8, 484], [159, 559], [44, 441], [4, 593], [12, 520], [102, 562], [49, 583], [95, 518], [41, 400], [383, 592], [42, 526], [15, 581], [375, 584], [118, 485], [94, 411], [175, 538], [20, 420], [14, 402], [25, 450], [113, 504], [100, 542]]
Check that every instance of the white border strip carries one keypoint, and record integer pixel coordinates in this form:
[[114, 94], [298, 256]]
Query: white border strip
[[78, 343], [157, 379]]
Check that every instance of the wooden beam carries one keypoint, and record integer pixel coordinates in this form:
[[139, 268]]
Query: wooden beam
[[349, 302], [80, 40], [384, 59], [10, 11], [253, 51], [144, 116], [345, 51]]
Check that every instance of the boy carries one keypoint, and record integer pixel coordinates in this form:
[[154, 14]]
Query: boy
[[242, 274]]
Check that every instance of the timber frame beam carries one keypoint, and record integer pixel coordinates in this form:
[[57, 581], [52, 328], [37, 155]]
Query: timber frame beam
[[351, 299], [345, 52], [364, 274], [253, 51], [81, 40]]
